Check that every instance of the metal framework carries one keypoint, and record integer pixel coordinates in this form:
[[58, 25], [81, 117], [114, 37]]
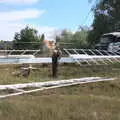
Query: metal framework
[[19, 52], [80, 56], [19, 89], [90, 57]]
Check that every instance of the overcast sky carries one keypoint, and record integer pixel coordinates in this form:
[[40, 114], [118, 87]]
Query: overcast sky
[[47, 16]]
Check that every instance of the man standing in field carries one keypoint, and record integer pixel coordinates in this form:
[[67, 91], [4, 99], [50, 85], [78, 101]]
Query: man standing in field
[[55, 57]]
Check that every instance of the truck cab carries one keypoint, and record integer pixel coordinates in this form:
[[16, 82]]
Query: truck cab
[[109, 42]]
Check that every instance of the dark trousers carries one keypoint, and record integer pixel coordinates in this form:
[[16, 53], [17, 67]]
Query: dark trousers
[[54, 69]]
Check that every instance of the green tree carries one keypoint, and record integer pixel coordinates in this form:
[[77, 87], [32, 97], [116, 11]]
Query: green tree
[[106, 17], [80, 39], [67, 39], [28, 38], [6, 45], [64, 39]]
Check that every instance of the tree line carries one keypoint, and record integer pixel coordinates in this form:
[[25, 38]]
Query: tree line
[[28, 38]]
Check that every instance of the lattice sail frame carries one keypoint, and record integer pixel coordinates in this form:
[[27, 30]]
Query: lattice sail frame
[[90, 57], [80, 56], [19, 89]]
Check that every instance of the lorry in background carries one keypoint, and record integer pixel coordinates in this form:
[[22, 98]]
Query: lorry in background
[[109, 42]]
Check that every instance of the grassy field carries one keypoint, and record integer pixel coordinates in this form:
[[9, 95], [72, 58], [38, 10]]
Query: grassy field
[[93, 101], [66, 71]]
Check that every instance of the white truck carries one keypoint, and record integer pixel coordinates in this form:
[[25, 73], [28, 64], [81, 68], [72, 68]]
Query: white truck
[[109, 42]]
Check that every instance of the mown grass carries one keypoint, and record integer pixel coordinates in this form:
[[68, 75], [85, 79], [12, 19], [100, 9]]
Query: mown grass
[[93, 101]]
